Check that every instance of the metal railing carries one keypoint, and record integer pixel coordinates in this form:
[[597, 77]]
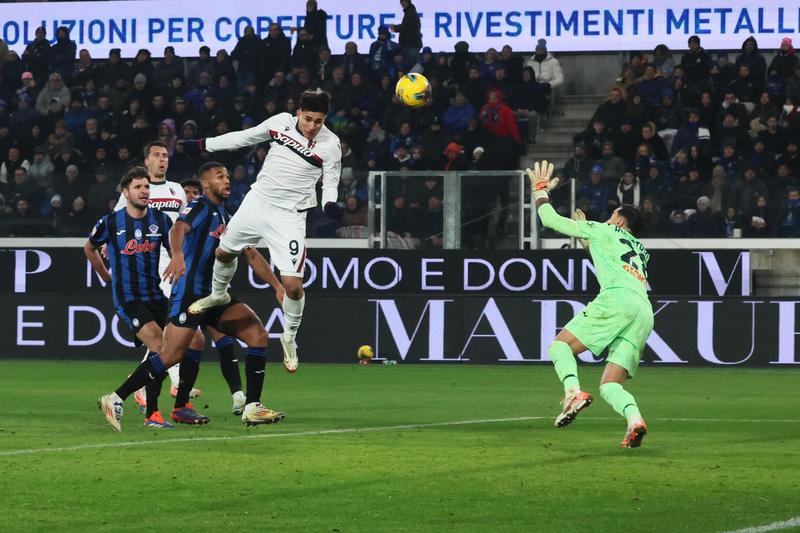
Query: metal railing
[[380, 202]]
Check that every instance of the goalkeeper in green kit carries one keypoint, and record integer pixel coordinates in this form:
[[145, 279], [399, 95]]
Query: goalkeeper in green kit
[[620, 318]]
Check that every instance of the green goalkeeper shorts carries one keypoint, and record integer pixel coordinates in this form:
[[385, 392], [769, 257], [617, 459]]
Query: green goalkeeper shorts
[[619, 320]]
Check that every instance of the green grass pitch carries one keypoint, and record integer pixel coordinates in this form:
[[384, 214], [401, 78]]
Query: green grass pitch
[[384, 449]]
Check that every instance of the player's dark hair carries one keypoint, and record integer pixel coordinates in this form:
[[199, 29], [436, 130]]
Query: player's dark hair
[[150, 145], [316, 102], [209, 166], [632, 218], [192, 183], [133, 173]]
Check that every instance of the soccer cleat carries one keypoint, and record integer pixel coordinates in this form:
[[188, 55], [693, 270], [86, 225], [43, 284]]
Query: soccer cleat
[[187, 415], [255, 413], [571, 407], [157, 421], [206, 303], [194, 393], [290, 361], [141, 399], [112, 411], [635, 435], [238, 402]]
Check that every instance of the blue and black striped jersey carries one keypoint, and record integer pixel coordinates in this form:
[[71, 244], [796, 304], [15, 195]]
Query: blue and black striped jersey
[[134, 245], [207, 221]]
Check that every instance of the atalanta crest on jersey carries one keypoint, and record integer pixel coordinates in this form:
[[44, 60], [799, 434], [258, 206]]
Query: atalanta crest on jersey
[[137, 233]]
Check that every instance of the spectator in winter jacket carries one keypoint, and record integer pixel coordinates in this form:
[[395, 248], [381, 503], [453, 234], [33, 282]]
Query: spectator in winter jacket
[[788, 219], [785, 61], [530, 99], [613, 166], [751, 57], [498, 119], [113, 70], [628, 190], [663, 60], [409, 34], [593, 138], [37, 56], [247, 52], [578, 166], [54, 89], [457, 116], [381, 52], [744, 192], [650, 87], [696, 63], [746, 86], [704, 222], [598, 194], [170, 67], [41, 170], [316, 24], [545, 66], [62, 55], [613, 111], [352, 61]]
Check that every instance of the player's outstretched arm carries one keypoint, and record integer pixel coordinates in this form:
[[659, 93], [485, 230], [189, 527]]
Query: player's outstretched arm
[[177, 265], [230, 141], [542, 182], [262, 269], [92, 254]]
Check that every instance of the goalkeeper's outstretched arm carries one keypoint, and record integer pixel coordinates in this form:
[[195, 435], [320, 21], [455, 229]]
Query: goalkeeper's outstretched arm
[[542, 182]]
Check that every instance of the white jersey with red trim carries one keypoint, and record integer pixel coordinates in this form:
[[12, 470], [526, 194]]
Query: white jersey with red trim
[[293, 165]]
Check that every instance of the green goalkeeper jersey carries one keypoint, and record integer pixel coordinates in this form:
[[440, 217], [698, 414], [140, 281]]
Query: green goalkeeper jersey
[[620, 260]]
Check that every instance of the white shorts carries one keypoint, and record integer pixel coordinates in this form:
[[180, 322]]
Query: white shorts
[[284, 231]]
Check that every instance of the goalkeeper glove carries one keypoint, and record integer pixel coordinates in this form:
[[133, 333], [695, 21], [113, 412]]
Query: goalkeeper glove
[[540, 177]]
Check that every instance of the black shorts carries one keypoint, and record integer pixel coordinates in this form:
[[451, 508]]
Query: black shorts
[[136, 314], [180, 316]]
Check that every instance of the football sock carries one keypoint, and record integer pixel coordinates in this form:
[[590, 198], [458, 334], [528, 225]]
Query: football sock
[[153, 390], [190, 367], [228, 363], [254, 367], [292, 315], [174, 375], [621, 401], [223, 274], [146, 371], [566, 366]]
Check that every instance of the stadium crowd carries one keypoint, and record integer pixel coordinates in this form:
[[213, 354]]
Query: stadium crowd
[[704, 147], [69, 128]]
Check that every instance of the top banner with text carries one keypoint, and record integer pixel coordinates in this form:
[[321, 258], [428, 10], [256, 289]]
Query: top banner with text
[[571, 25]]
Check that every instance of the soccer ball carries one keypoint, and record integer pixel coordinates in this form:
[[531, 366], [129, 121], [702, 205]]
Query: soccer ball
[[365, 354], [413, 90]]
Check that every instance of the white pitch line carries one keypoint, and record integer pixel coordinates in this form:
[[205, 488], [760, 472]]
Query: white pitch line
[[135, 444], [775, 526]]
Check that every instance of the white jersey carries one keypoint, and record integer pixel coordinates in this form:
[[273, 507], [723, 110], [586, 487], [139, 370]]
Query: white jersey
[[293, 165], [168, 197]]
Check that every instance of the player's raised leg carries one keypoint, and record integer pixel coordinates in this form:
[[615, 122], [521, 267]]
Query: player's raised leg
[[225, 264], [562, 352]]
